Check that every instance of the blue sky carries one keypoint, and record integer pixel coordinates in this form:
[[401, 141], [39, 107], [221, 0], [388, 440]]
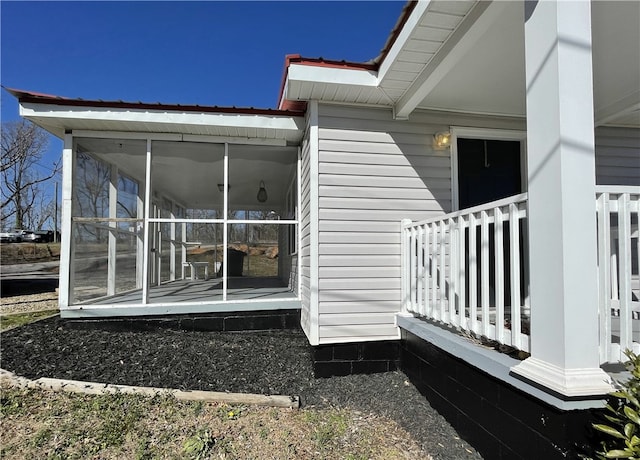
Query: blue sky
[[208, 52]]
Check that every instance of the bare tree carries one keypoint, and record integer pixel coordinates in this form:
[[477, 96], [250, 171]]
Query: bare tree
[[91, 195], [42, 212], [23, 147]]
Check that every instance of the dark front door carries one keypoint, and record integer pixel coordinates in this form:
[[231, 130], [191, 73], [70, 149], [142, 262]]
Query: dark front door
[[488, 170]]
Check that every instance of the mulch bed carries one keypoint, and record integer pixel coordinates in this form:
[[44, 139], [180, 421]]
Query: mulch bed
[[273, 362]]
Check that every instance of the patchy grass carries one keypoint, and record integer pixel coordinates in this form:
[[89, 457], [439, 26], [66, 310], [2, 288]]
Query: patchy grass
[[19, 319], [43, 424], [23, 253]]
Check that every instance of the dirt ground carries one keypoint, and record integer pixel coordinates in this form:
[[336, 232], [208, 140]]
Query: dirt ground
[[273, 362], [28, 303]]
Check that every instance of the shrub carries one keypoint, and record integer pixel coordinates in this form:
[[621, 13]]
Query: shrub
[[623, 430]]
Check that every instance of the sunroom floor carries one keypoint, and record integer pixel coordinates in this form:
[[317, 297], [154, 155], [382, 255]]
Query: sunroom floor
[[189, 291]]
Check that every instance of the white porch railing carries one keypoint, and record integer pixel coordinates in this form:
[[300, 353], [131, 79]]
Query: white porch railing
[[468, 269], [618, 276]]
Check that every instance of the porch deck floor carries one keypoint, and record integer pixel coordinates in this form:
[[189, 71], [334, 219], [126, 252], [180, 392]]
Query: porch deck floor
[[189, 291]]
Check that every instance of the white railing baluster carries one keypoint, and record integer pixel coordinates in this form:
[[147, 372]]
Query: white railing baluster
[[604, 249], [453, 268], [461, 275], [412, 268], [473, 279], [434, 270], [484, 273], [420, 270], [441, 275], [514, 275], [624, 271], [499, 274], [427, 268]]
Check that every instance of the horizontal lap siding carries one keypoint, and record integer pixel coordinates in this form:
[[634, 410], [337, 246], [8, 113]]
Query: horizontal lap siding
[[617, 156], [373, 172]]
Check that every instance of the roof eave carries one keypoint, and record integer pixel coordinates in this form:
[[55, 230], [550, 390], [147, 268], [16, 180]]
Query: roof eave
[[62, 117]]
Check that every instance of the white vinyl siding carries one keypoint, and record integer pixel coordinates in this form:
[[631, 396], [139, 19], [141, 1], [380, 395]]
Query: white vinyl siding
[[617, 156], [373, 172]]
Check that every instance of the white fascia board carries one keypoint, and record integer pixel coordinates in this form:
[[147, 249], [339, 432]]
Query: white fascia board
[[285, 92], [229, 120], [318, 74], [470, 30], [412, 22]]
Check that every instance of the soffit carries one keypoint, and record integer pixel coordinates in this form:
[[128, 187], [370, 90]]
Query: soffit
[[468, 56]]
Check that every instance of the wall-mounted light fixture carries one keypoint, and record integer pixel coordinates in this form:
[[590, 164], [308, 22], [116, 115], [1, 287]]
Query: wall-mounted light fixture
[[441, 140], [262, 193]]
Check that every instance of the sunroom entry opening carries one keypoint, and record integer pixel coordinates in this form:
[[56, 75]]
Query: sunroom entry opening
[[183, 223]]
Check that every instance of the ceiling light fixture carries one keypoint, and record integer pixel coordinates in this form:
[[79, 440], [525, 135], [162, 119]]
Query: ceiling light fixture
[[262, 193]]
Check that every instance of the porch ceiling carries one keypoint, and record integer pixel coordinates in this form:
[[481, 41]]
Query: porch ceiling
[[489, 76], [468, 56], [189, 172]]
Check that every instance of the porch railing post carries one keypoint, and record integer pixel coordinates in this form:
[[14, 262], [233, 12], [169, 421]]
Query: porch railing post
[[404, 261]]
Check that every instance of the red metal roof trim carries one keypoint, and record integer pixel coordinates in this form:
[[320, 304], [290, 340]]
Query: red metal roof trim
[[40, 98], [402, 20], [321, 62], [373, 65], [295, 106]]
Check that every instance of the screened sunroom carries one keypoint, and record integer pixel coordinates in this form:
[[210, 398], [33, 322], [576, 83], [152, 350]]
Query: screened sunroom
[[175, 210]]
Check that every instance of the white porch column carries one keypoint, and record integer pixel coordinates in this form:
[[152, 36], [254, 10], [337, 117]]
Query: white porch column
[[173, 247], [225, 228], [113, 213], [140, 206], [67, 250], [561, 186], [146, 259]]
